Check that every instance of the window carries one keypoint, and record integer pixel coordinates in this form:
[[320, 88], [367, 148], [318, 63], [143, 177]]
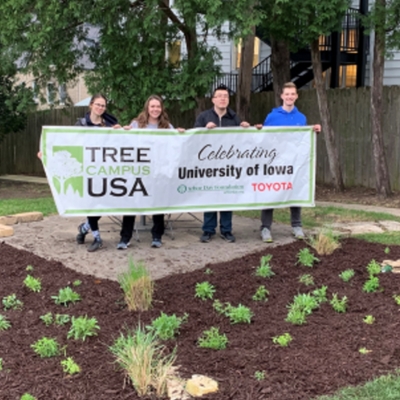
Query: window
[[256, 54], [62, 94], [50, 93]]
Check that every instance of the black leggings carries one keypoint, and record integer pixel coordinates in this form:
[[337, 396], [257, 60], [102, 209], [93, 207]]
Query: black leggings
[[128, 222], [94, 223]]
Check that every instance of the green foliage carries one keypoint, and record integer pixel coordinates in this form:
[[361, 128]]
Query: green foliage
[[46, 347], [259, 375], [364, 350], [204, 290], [29, 268], [320, 294], [303, 305], [369, 319], [339, 305], [264, 270], [1, 364], [47, 318], [69, 366], [33, 284], [371, 285], [306, 279], [77, 283], [167, 326], [62, 319], [237, 315], [261, 294], [306, 258], [4, 323], [373, 268], [11, 302], [282, 340], [347, 275], [66, 296], [83, 327], [387, 250], [212, 339], [396, 298], [27, 396]]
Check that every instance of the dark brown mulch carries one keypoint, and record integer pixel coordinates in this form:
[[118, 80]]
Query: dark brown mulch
[[323, 356]]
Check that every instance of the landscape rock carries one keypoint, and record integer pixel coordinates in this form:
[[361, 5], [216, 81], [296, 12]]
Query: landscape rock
[[6, 231], [8, 220], [199, 385], [29, 217]]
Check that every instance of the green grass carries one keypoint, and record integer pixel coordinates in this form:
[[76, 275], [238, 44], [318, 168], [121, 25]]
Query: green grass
[[44, 205], [387, 238], [385, 387]]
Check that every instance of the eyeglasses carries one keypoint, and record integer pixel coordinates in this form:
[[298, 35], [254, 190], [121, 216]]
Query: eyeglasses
[[221, 96], [99, 105]]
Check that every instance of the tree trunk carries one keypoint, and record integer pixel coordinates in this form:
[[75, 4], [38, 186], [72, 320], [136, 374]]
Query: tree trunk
[[329, 134], [245, 77], [382, 179], [280, 66]]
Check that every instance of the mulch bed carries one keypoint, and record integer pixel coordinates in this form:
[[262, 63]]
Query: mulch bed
[[322, 357]]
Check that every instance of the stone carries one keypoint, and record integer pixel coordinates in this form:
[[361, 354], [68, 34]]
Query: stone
[[390, 225], [8, 220], [6, 231], [198, 385], [29, 217]]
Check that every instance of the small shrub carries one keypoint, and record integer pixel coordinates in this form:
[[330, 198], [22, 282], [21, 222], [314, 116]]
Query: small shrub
[[208, 271], [371, 285], [296, 317], [33, 284], [167, 326], [27, 396], [369, 319], [82, 327], [219, 307], [77, 283], [396, 298], [364, 350], [373, 268], [47, 318], [261, 294], [66, 296], [29, 268], [264, 270], [282, 340], [306, 279], [387, 250], [238, 315], [46, 347], [212, 339], [259, 375], [137, 286], [204, 290], [11, 302], [4, 323], [325, 242], [347, 275], [69, 366], [1, 364], [306, 258], [339, 305], [62, 319], [303, 305], [320, 294]]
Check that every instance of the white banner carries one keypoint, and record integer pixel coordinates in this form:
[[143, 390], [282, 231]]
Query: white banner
[[101, 171]]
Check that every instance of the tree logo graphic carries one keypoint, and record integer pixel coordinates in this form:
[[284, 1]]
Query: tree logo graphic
[[66, 166], [182, 189]]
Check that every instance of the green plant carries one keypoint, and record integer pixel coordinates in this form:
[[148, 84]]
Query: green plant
[[373, 268], [212, 339], [70, 367], [11, 302], [47, 318], [303, 305], [364, 350], [369, 319], [65, 296], [264, 270], [371, 285], [32, 283], [82, 327], [325, 242], [27, 396], [208, 271], [29, 268], [261, 294], [396, 298], [259, 375], [282, 340], [62, 319], [46, 347], [140, 354], [306, 258], [4, 323], [204, 290], [137, 286], [306, 279], [167, 326], [239, 314], [347, 275], [387, 250], [1, 364], [296, 317], [339, 305], [77, 283], [219, 307], [320, 294]]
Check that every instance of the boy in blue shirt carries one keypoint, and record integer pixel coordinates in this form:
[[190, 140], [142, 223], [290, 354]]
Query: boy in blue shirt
[[286, 115]]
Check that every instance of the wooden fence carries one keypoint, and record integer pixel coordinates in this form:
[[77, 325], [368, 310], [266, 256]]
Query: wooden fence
[[350, 110]]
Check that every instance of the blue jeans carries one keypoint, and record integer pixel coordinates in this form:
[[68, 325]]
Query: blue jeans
[[210, 222]]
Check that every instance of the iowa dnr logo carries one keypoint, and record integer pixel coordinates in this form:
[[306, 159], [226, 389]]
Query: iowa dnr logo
[[182, 189]]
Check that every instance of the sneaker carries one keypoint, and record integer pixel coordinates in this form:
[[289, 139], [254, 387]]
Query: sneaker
[[228, 237], [123, 245], [97, 244], [298, 232], [206, 237], [156, 243], [80, 237], [266, 235]]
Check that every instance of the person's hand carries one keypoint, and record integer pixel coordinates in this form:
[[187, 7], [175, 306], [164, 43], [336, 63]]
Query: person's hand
[[258, 126], [244, 124], [127, 127], [317, 128], [211, 125], [180, 130], [39, 155], [117, 126]]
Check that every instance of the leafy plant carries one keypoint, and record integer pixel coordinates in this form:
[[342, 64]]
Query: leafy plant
[[70, 367], [239, 314], [396, 298], [296, 317], [283, 340], [62, 319], [47, 318], [306, 258], [373, 268], [208, 271], [137, 286], [265, 270], [204, 290], [303, 305], [167, 326], [306, 279], [29, 268], [320, 294], [219, 307], [261, 294], [1, 364], [32, 283], [325, 242], [259, 375], [369, 319], [141, 356], [364, 350], [27, 396], [4, 323], [77, 283], [387, 250], [83, 327], [371, 285], [11, 302], [46, 347], [347, 274], [339, 305], [65, 296], [212, 339]]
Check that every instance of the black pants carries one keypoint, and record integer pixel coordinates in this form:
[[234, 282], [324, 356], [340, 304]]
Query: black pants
[[128, 222], [94, 223]]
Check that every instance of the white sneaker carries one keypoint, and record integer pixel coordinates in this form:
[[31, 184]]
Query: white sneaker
[[298, 232], [266, 235]]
